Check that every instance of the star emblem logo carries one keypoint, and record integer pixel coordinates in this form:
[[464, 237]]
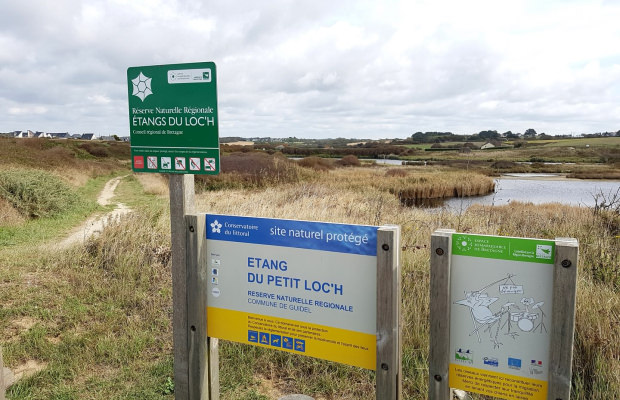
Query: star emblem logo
[[216, 227], [141, 86]]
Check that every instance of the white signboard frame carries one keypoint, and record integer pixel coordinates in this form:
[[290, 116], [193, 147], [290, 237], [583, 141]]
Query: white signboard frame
[[502, 316], [202, 349]]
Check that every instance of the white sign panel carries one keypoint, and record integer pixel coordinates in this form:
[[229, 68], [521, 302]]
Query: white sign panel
[[297, 286]]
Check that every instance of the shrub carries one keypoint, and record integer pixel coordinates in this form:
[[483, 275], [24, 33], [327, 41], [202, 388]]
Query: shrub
[[316, 163], [349, 161], [96, 149], [35, 193], [398, 172], [503, 164], [251, 170]]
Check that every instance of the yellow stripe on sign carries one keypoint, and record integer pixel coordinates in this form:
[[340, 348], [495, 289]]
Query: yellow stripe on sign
[[496, 384], [324, 342]]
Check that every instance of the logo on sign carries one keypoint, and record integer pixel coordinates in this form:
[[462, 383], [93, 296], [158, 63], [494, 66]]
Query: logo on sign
[[216, 227], [179, 163], [194, 164], [151, 162], [141, 86], [543, 251], [300, 345], [536, 367], [275, 340], [514, 363], [138, 161], [463, 243], [263, 338], [465, 356], [491, 361], [166, 163], [287, 342], [209, 164]]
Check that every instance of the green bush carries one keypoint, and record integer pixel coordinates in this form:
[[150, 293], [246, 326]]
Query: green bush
[[34, 193]]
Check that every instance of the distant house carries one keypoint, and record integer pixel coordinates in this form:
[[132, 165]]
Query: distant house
[[60, 135], [491, 144], [25, 134], [107, 138], [87, 136]]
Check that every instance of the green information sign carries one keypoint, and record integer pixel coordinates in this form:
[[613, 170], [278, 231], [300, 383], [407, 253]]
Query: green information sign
[[173, 118]]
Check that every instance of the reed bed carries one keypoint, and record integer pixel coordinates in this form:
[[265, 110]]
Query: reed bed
[[409, 184]]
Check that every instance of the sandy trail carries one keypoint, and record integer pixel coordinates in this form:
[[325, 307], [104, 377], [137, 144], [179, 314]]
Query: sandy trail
[[95, 225]]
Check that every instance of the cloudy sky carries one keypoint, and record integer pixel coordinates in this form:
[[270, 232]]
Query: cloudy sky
[[321, 68]]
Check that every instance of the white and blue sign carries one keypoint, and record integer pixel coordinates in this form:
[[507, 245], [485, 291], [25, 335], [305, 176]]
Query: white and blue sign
[[299, 286], [352, 239]]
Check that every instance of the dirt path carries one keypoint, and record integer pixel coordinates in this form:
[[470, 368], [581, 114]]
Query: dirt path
[[95, 225]]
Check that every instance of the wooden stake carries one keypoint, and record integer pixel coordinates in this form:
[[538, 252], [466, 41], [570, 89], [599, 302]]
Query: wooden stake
[[563, 320], [181, 204], [203, 351], [439, 352], [389, 366]]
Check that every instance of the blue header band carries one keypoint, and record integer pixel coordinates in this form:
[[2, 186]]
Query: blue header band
[[324, 236]]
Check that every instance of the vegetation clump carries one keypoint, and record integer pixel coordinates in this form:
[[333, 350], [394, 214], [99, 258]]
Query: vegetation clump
[[35, 193], [349, 161], [316, 163], [252, 170]]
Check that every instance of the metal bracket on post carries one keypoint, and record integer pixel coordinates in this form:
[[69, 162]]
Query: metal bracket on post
[[389, 365], [181, 204], [563, 320], [439, 354]]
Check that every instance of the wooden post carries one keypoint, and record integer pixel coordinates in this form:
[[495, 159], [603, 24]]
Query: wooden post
[[389, 366], [439, 352], [181, 204], [563, 320], [203, 351]]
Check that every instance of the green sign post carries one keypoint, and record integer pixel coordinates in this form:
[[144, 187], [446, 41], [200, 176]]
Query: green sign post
[[173, 118]]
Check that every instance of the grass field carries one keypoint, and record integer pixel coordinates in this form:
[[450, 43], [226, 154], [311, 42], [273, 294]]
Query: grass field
[[95, 319]]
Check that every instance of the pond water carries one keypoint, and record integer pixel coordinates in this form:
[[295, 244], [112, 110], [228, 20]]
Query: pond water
[[514, 188]]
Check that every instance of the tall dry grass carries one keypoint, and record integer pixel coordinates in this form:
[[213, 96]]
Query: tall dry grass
[[156, 184], [253, 170], [411, 184], [9, 216], [69, 160]]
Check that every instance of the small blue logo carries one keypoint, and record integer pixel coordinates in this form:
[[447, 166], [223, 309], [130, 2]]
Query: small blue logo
[[492, 361], [216, 227], [253, 336], [263, 338], [275, 341], [514, 363], [300, 345], [287, 343]]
